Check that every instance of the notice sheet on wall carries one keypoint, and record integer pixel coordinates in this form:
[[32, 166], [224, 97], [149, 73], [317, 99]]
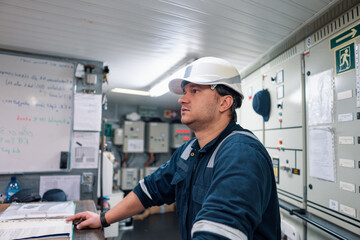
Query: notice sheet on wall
[[85, 150], [87, 112], [70, 184], [319, 98], [321, 153]]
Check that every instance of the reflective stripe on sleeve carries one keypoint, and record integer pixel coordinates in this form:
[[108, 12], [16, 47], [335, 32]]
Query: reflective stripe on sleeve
[[219, 229], [144, 189]]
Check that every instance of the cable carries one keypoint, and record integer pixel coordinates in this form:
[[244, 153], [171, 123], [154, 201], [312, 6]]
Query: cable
[[149, 160]]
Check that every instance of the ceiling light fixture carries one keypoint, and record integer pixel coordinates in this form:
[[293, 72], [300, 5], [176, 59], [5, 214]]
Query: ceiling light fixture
[[161, 87], [130, 91]]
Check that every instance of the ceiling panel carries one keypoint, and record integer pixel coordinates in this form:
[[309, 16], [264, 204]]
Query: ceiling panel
[[141, 39]]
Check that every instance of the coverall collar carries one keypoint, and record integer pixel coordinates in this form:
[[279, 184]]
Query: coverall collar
[[229, 128]]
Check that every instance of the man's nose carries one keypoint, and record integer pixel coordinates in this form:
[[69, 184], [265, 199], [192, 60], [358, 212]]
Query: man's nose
[[182, 99]]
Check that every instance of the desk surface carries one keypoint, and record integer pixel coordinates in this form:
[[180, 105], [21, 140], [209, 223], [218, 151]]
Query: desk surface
[[83, 205]]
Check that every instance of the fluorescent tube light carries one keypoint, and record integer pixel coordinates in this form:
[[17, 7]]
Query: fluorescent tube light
[[161, 87], [130, 91]]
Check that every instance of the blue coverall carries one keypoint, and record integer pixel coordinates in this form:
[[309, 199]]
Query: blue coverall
[[231, 196]]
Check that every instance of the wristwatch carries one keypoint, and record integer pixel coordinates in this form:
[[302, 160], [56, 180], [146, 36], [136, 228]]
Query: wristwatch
[[103, 221]]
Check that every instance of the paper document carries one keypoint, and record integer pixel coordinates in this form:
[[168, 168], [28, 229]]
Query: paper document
[[321, 153], [319, 95], [87, 112], [70, 184], [41, 220], [33, 229], [38, 210], [85, 151]]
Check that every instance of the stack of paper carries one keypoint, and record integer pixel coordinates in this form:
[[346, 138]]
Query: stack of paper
[[43, 220]]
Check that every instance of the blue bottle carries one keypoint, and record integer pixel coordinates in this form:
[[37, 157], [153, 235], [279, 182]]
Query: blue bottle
[[12, 188]]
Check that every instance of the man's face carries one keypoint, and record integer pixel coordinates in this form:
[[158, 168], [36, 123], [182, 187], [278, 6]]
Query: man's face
[[199, 106]]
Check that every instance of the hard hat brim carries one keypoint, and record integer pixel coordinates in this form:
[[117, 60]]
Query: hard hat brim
[[175, 84]]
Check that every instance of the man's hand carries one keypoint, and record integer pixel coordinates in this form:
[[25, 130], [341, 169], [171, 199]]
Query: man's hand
[[85, 219], [127, 207]]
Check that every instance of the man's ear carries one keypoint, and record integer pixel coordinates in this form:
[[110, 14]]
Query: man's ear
[[225, 103]]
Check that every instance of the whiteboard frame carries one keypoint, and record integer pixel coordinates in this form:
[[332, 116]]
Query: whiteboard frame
[[56, 59]]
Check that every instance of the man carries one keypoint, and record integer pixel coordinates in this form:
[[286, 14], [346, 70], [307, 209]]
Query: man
[[222, 180]]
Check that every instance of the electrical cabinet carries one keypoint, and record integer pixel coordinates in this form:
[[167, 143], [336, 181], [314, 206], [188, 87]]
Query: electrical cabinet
[[332, 86], [291, 227], [282, 134], [246, 115], [134, 137], [288, 170], [285, 149], [118, 136], [284, 83], [313, 133], [157, 137], [129, 178], [179, 134]]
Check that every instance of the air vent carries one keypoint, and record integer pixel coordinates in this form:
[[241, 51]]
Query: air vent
[[346, 19], [285, 56]]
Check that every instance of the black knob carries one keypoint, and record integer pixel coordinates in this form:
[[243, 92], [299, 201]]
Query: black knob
[[310, 186]]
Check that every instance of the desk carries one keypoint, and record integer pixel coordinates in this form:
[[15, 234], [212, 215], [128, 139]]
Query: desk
[[83, 205]]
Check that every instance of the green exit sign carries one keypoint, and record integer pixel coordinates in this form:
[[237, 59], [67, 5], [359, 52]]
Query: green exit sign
[[345, 36], [345, 58]]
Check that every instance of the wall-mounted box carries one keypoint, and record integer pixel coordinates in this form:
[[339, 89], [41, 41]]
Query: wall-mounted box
[[133, 137], [129, 178], [118, 136], [179, 134], [157, 137]]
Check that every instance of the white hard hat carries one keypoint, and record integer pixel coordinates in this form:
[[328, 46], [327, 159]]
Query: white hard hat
[[208, 71]]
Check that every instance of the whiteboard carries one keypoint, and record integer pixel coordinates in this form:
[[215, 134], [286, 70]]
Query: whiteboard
[[36, 105]]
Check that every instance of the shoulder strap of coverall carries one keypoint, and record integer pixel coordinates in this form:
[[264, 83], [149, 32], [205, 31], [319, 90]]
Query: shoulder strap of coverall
[[212, 158]]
